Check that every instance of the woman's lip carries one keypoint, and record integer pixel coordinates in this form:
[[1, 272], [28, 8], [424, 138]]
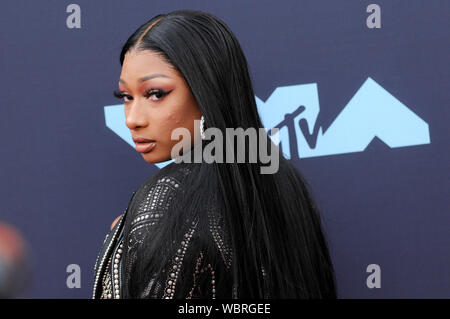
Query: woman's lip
[[142, 140], [145, 147]]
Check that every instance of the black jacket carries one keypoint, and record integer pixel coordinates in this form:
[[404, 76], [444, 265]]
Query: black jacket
[[200, 259]]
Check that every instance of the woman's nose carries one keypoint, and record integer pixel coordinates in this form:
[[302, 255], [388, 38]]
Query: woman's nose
[[135, 116]]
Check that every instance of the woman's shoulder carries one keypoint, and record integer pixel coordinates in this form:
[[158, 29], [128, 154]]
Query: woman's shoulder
[[173, 172], [156, 195], [170, 179]]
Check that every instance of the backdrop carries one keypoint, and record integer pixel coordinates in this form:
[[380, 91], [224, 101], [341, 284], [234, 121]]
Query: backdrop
[[360, 90]]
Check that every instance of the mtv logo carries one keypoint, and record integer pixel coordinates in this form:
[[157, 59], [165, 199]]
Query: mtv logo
[[371, 112]]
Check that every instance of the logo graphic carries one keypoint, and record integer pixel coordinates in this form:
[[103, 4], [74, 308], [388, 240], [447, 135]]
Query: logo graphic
[[371, 112]]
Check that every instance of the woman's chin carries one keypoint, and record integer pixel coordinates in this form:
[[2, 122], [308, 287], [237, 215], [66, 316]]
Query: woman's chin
[[153, 158]]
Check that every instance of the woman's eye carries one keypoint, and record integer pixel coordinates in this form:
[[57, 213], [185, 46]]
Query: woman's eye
[[124, 96], [156, 95]]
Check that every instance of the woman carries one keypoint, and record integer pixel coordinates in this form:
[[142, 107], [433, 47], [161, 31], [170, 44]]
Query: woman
[[205, 230]]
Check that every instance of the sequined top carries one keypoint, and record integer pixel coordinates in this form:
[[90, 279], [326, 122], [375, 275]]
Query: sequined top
[[203, 261]]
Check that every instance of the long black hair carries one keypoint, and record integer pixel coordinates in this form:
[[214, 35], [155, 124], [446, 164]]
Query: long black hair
[[272, 219]]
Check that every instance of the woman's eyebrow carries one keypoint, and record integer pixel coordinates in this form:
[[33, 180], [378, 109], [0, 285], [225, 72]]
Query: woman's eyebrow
[[148, 77]]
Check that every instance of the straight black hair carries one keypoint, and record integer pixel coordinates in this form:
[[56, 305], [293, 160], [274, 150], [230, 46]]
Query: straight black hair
[[273, 223]]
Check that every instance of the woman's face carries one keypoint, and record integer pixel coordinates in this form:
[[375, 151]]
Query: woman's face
[[157, 100]]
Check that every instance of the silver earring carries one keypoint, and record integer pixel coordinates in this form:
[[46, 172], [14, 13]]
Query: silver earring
[[202, 129]]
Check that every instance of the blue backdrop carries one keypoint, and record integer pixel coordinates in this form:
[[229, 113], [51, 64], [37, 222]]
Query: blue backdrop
[[369, 129]]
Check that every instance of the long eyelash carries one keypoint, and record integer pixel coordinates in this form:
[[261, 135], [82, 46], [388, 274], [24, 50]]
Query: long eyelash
[[150, 92], [154, 91], [119, 94]]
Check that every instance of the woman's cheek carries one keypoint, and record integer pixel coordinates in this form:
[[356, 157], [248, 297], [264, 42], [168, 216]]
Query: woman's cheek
[[167, 125], [174, 120]]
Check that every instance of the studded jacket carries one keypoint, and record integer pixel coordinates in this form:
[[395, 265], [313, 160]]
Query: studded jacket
[[205, 269]]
